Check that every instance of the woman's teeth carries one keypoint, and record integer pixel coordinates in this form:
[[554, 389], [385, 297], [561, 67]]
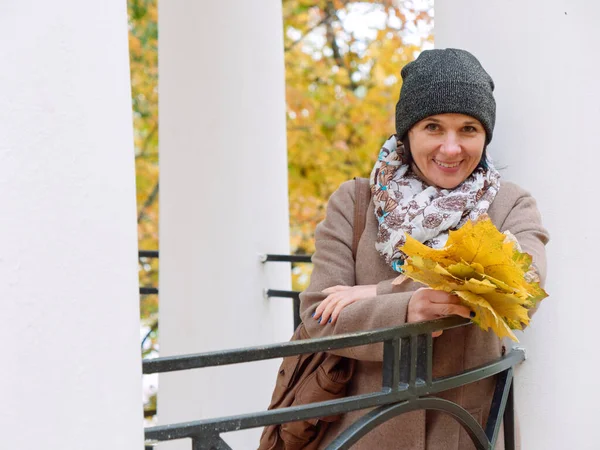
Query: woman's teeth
[[447, 165]]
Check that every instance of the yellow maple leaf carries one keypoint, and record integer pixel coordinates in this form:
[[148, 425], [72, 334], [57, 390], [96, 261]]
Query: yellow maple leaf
[[485, 316], [465, 270], [428, 272], [485, 269], [510, 308]]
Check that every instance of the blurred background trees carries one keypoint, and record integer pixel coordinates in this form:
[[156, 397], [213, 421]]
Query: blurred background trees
[[143, 54], [343, 60]]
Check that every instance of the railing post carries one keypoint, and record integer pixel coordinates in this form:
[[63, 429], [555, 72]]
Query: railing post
[[509, 420], [499, 406], [296, 306], [425, 359], [391, 365], [413, 362], [405, 362], [409, 353]]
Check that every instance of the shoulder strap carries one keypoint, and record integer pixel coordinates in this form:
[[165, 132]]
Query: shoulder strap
[[362, 197]]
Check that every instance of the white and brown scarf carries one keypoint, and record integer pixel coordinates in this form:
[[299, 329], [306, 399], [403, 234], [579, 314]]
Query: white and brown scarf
[[406, 204]]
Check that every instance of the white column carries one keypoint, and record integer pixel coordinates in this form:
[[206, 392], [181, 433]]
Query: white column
[[542, 55], [71, 367], [223, 202]]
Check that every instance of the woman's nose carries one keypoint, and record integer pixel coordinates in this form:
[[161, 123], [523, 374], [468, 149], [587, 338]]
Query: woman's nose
[[451, 146]]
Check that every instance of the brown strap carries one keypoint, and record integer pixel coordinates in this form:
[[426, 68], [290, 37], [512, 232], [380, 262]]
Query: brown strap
[[362, 198]]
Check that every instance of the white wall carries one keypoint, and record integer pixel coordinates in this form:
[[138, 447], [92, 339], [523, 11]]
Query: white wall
[[543, 56], [223, 201], [71, 368]]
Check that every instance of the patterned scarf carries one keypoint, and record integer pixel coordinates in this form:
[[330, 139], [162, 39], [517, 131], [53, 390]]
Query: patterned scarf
[[405, 203]]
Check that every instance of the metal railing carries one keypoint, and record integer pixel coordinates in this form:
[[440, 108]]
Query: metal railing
[[294, 295], [407, 382], [407, 385], [150, 254], [269, 293]]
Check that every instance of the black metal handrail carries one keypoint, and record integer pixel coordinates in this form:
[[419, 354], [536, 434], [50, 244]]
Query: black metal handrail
[[277, 293], [148, 290], [408, 385], [286, 258], [269, 293], [295, 295], [148, 254]]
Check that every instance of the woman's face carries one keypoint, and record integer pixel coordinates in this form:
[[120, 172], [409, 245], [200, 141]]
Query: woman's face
[[446, 148]]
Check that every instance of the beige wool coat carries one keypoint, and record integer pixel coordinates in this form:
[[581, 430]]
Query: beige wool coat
[[454, 351]]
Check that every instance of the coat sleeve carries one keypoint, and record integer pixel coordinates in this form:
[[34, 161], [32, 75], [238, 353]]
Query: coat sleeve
[[524, 221], [334, 265]]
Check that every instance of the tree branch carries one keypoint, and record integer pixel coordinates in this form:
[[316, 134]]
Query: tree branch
[[146, 141], [337, 55], [153, 328], [306, 33], [148, 203]]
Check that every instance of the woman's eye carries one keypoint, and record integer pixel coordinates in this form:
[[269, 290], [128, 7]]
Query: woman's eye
[[470, 129], [432, 127]]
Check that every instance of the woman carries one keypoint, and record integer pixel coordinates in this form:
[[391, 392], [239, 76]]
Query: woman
[[431, 177]]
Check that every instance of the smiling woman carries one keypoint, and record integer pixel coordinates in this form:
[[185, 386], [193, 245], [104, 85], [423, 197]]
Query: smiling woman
[[431, 177]]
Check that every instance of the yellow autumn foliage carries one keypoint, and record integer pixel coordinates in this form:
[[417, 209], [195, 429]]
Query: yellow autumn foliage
[[485, 269]]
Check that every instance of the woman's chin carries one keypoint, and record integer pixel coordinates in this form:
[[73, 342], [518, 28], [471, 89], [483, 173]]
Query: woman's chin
[[448, 182]]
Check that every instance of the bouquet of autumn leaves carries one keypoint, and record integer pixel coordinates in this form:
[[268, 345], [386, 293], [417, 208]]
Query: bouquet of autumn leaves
[[485, 268]]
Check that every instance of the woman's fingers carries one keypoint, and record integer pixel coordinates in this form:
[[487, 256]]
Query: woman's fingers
[[319, 311], [332, 289], [449, 309], [339, 297], [325, 303], [442, 297], [338, 308], [429, 304], [331, 304]]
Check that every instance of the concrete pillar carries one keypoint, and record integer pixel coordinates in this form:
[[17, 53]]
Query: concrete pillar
[[223, 202], [542, 56], [71, 366]]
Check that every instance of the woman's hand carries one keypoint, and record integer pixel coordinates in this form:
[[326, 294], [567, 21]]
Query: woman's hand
[[338, 297], [429, 304]]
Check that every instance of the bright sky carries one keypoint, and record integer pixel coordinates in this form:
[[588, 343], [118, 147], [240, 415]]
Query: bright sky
[[364, 20]]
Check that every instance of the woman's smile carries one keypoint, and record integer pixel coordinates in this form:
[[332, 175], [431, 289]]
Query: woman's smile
[[449, 167]]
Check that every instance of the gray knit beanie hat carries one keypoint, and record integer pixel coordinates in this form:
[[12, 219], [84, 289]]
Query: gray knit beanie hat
[[445, 81]]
